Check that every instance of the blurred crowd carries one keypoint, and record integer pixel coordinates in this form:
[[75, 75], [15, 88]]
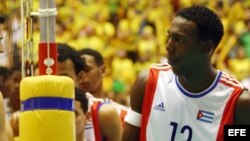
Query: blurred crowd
[[131, 34]]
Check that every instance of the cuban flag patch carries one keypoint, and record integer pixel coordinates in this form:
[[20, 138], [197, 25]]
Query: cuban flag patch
[[205, 116]]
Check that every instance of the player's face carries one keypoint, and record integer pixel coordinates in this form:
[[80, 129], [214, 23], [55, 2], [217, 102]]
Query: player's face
[[6, 86], [183, 46], [67, 68], [16, 78], [90, 79]]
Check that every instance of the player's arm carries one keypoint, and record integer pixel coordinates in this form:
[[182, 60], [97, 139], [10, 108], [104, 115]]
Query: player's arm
[[9, 132], [3, 135], [242, 112], [14, 123], [132, 121], [110, 123]]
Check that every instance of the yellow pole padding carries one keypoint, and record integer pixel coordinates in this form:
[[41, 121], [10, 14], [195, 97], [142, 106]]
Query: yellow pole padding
[[47, 110]]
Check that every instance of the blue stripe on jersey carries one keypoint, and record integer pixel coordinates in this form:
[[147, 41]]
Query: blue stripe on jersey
[[198, 95], [48, 103], [106, 101], [204, 120], [88, 128]]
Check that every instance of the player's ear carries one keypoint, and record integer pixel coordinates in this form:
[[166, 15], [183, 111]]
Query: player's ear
[[207, 47], [102, 69]]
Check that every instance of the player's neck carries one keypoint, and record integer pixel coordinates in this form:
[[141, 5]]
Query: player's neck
[[99, 93], [80, 136], [198, 82]]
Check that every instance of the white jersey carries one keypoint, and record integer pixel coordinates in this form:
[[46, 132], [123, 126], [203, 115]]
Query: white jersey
[[89, 127], [171, 113], [89, 131]]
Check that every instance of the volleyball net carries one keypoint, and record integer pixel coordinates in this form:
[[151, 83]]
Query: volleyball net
[[26, 31]]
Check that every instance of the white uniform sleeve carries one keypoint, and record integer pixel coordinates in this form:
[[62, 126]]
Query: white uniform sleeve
[[133, 118]]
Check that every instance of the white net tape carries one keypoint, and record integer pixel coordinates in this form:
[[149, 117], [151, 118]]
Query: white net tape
[[45, 12]]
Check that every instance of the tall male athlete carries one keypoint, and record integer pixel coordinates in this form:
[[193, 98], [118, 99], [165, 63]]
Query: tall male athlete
[[187, 99]]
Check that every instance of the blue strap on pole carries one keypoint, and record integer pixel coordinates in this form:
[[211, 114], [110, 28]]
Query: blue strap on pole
[[48, 103]]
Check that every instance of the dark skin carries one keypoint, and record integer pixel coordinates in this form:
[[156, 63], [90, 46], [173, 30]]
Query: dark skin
[[190, 58]]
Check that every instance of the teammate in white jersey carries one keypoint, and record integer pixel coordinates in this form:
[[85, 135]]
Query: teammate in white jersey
[[109, 125], [187, 99]]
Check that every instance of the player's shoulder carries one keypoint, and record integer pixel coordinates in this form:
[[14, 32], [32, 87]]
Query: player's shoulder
[[245, 98], [109, 121], [144, 74], [107, 111], [230, 81], [160, 66], [242, 113]]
